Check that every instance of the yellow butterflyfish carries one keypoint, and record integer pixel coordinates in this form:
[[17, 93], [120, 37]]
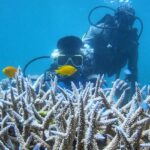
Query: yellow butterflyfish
[[66, 70], [9, 71]]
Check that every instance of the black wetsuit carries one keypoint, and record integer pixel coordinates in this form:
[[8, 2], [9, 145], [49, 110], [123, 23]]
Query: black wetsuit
[[113, 48]]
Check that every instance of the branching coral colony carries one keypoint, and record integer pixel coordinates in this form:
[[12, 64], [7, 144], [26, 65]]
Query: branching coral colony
[[84, 118]]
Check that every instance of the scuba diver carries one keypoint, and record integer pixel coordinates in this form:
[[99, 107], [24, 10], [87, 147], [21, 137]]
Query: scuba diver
[[106, 48], [67, 61], [115, 43]]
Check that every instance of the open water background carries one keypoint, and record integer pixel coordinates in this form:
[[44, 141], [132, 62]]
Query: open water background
[[31, 28]]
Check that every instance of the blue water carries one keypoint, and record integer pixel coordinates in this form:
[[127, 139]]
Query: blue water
[[31, 28]]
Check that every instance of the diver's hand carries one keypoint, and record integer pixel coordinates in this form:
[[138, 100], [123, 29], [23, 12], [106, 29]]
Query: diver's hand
[[120, 87], [48, 76]]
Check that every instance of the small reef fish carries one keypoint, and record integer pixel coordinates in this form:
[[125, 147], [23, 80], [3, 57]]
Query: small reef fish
[[66, 70], [43, 113], [9, 71]]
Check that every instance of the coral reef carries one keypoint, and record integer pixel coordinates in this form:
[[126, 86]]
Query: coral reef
[[85, 118]]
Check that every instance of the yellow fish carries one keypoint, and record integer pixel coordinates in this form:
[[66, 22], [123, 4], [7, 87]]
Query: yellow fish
[[9, 71], [66, 70], [43, 113]]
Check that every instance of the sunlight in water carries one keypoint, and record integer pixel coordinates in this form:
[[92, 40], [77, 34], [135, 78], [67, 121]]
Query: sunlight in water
[[118, 1]]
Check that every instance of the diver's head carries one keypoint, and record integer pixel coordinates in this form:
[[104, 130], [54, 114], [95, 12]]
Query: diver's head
[[125, 16], [69, 45], [69, 51]]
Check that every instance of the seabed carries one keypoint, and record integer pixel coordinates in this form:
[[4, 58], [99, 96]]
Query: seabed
[[84, 118]]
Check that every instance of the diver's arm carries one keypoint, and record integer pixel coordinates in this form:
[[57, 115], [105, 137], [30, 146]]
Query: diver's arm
[[90, 35], [94, 32]]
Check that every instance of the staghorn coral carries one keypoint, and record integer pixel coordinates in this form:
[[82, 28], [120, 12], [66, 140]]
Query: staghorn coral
[[84, 118]]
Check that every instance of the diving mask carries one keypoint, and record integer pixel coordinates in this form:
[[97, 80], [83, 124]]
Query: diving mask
[[76, 60]]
